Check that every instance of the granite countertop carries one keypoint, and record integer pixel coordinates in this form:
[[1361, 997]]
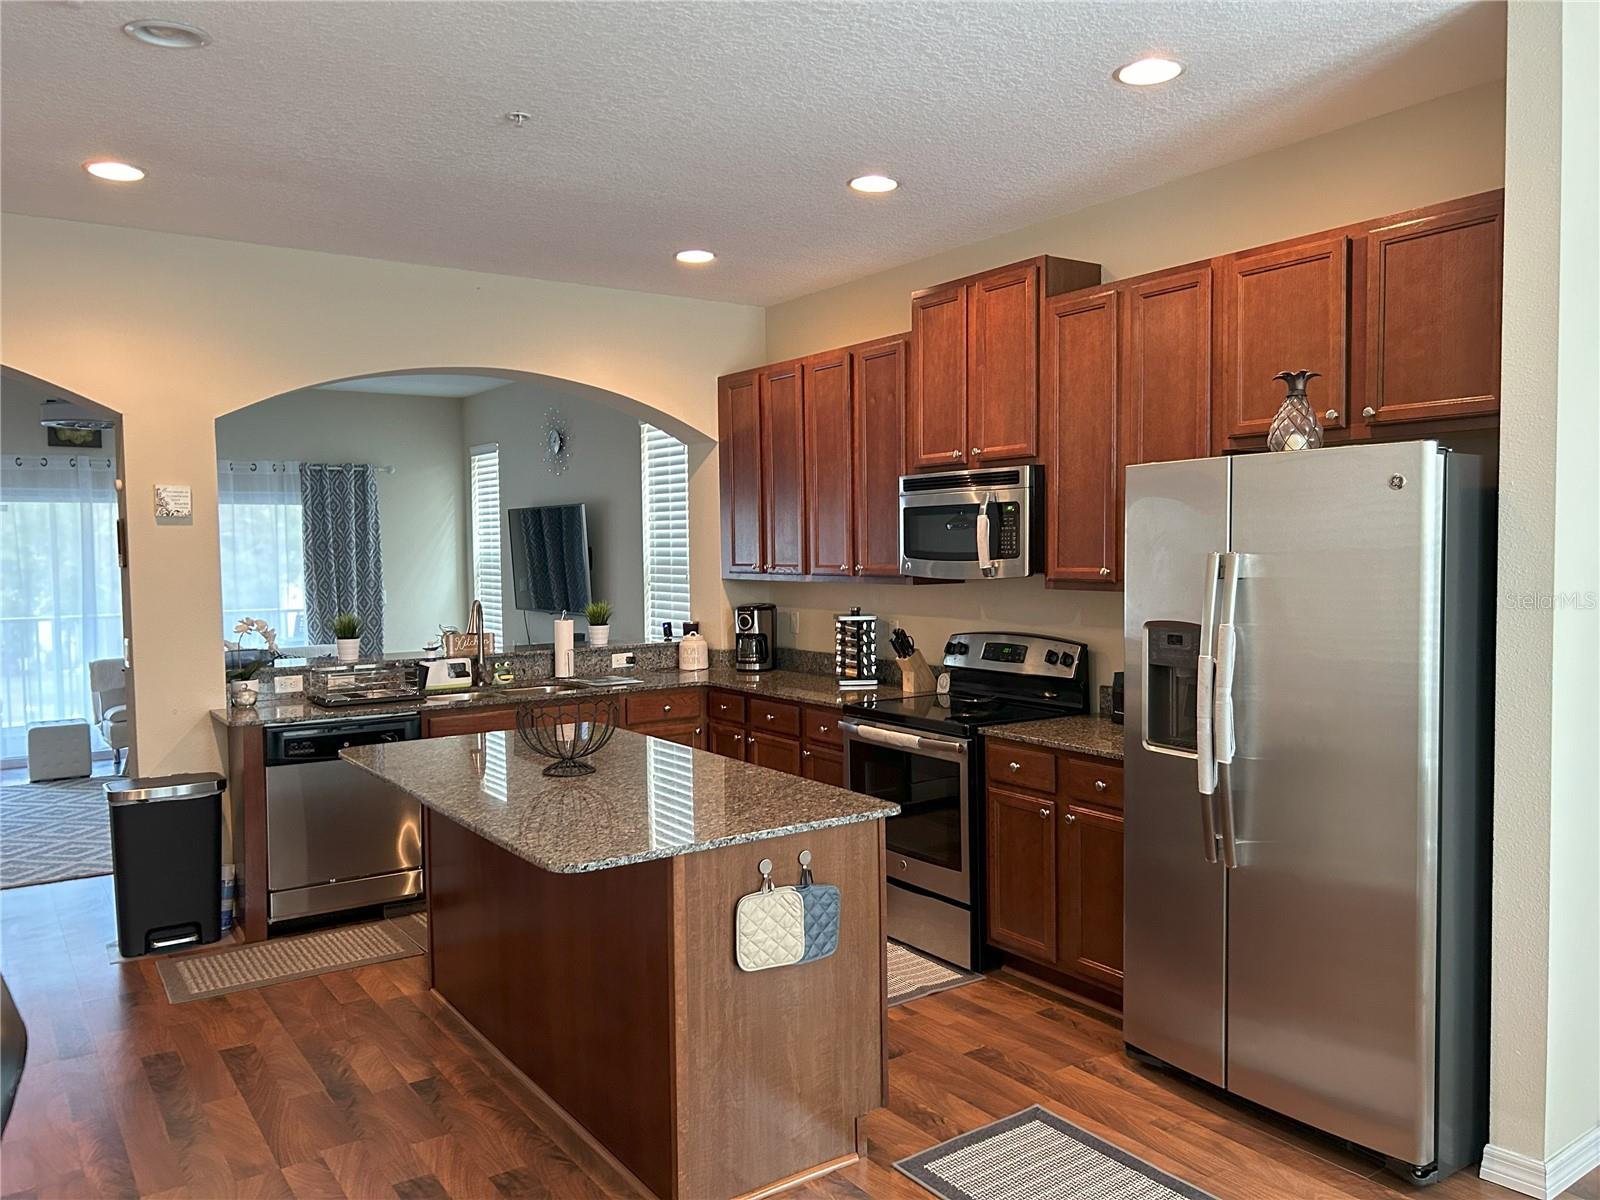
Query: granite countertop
[[798, 686], [646, 799], [1083, 735]]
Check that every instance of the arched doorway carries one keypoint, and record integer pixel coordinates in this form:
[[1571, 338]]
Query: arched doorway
[[429, 475], [66, 713]]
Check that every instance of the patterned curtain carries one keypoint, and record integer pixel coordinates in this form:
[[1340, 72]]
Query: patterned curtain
[[343, 550]]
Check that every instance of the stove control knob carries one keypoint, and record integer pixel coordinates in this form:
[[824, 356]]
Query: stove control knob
[[951, 648], [1050, 656], [904, 865]]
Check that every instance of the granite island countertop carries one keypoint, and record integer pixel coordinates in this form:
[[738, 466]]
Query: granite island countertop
[[798, 686], [1097, 736], [646, 799]]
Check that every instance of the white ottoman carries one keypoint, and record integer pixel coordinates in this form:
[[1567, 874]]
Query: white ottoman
[[58, 750]]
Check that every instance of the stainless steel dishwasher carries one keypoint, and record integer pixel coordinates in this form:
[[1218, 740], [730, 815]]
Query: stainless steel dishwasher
[[337, 838]]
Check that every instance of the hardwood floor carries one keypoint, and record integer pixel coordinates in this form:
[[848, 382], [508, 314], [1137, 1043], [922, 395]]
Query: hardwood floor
[[360, 1084]]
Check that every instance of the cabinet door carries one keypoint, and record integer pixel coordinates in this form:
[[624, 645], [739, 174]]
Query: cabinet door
[[1166, 382], [830, 528], [1003, 385], [1433, 316], [770, 750], [937, 414], [783, 476], [824, 766], [1022, 874], [1091, 894], [739, 452], [878, 396], [684, 734], [725, 739], [1285, 310], [1080, 385]]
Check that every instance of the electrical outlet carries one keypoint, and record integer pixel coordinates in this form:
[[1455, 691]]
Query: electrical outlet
[[625, 659], [791, 621], [284, 684]]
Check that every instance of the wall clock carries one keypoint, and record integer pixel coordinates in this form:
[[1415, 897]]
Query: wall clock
[[557, 442]]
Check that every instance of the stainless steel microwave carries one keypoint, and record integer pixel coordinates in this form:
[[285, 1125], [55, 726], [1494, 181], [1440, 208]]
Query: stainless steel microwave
[[980, 524]]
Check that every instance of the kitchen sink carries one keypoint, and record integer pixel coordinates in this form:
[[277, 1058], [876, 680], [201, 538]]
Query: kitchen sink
[[539, 689], [608, 681]]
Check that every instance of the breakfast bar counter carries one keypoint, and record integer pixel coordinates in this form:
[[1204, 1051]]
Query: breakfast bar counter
[[585, 927]]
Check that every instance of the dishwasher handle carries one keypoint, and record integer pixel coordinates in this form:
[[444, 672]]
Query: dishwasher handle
[[321, 741]]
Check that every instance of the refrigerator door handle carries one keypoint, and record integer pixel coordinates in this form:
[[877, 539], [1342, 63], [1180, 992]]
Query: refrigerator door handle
[[1205, 680], [1227, 657]]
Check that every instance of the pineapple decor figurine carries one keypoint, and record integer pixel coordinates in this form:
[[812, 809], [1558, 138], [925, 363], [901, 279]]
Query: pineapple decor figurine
[[1295, 427]]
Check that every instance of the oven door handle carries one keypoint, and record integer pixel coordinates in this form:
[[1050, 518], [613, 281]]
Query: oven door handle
[[897, 739]]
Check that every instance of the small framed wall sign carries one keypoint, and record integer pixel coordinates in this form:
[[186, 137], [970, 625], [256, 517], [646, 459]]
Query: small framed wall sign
[[174, 502]]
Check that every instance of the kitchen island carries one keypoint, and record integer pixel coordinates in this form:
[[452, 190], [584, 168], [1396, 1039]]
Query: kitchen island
[[585, 928]]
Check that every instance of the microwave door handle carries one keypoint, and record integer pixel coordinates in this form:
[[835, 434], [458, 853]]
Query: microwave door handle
[[986, 566]]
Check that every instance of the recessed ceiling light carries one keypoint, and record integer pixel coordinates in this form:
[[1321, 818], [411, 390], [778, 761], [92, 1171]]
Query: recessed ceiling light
[[1147, 71], [116, 172], [873, 185], [695, 257], [170, 35]]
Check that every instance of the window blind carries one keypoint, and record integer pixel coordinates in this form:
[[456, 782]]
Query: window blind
[[484, 474], [665, 496]]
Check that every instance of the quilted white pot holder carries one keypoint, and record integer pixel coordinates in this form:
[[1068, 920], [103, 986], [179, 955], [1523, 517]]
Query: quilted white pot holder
[[770, 926]]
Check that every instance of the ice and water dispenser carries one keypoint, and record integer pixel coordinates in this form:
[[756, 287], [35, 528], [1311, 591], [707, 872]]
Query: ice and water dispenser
[[1172, 661]]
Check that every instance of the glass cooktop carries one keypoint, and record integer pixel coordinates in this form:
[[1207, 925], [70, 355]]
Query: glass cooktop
[[953, 713]]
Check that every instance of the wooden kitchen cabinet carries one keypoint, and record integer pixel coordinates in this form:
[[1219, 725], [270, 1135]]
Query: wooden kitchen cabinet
[[726, 739], [1022, 874], [773, 750], [783, 480], [1090, 903], [468, 720], [1282, 309], [1165, 411], [683, 733], [822, 765], [740, 470], [830, 527], [975, 363], [1082, 372], [1432, 319], [878, 451]]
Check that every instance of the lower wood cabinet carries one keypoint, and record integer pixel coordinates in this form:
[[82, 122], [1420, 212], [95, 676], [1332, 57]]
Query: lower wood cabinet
[[468, 720], [773, 750], [1055, 860], [726, 739], [755, 729], [823, 765]]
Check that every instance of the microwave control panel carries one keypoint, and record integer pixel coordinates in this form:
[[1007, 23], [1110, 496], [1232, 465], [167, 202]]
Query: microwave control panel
[[1008, 541]]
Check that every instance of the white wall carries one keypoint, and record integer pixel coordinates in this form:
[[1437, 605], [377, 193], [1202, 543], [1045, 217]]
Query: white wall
[[422, 505], [602, 472]]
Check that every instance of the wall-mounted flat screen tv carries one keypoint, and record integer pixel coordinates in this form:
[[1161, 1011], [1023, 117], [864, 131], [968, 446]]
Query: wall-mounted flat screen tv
[[550, 557]]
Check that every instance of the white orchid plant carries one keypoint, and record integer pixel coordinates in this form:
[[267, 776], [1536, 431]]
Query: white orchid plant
[[269, 639]]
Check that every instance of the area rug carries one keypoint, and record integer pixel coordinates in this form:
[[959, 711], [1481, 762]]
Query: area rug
[[278, 960], [1035, 1155], [913, 975], [52, 831]]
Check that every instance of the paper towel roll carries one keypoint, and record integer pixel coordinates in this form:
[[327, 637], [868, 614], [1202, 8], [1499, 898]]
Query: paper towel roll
[[563, 640]]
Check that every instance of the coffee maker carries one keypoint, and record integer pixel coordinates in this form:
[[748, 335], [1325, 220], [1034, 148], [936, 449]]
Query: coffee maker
[[755, 637]]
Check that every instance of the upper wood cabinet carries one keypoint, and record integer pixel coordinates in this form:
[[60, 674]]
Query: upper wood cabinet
[[1433, 313], [1166, 391], [1079, 418], [783, 478], [830, 528], [975, 363], [1286, 309], [740, 459], [878, 393]]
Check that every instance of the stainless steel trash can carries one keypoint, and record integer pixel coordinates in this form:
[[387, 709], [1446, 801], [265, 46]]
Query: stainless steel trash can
[[166, 860]]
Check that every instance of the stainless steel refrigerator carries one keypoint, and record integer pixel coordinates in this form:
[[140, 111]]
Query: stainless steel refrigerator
[[1308, 648]]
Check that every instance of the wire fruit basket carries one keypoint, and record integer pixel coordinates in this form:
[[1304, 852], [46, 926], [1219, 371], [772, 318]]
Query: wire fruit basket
[[568, 733]]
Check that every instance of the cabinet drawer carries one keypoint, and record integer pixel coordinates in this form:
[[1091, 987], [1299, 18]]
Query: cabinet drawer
[[727, 706], [655, 707], [471, 720], [774, 716], [822, 727], [1094, 781], [685, 733], [1022, 766]]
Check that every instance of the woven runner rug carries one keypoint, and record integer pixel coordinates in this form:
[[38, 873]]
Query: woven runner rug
[[52, 831]]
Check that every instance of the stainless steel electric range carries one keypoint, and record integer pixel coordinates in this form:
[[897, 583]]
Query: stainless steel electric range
[[925, 753]]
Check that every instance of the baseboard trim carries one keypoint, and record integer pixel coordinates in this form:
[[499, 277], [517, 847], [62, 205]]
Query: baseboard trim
[[1543, 1178]]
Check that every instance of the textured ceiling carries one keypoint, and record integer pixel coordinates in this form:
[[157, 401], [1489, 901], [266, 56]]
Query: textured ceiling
[[379, 129]]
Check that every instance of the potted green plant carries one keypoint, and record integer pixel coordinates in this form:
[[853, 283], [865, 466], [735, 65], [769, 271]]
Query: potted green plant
[[244, 665], [598, 614], [347, 636]]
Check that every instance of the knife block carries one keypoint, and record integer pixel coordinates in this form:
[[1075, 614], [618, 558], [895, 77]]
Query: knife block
[[916, 677]]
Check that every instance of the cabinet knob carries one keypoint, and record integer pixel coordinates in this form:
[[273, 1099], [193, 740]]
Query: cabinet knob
[[738, 737], [1045, 813], [697, 731], [1069, 818], [1015, 766], [974, 452], [954, 454], [772, 716], [1104, 571], [858, 568], [805, 754], [1099, 785], [666, 708], [722, 708], [822, 729], [1369, 412], [1331, 415]]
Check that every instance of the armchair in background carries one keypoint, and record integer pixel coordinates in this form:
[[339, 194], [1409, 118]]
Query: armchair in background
[[108, 680]]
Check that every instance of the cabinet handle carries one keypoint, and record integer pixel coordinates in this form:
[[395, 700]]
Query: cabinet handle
[[1069, 818], [1331, 415], [697, 731], [1015, 766], [722, 708], [858, 568], [822, 729], [738, 737], [954, 454], [666, 708], [1045, 813], [974, 452], [1369, 412], [1099, 785], [805, 754], [772, 716], [1104, 571]]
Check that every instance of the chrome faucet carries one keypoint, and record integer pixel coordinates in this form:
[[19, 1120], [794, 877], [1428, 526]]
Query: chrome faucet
[[480, 667]]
